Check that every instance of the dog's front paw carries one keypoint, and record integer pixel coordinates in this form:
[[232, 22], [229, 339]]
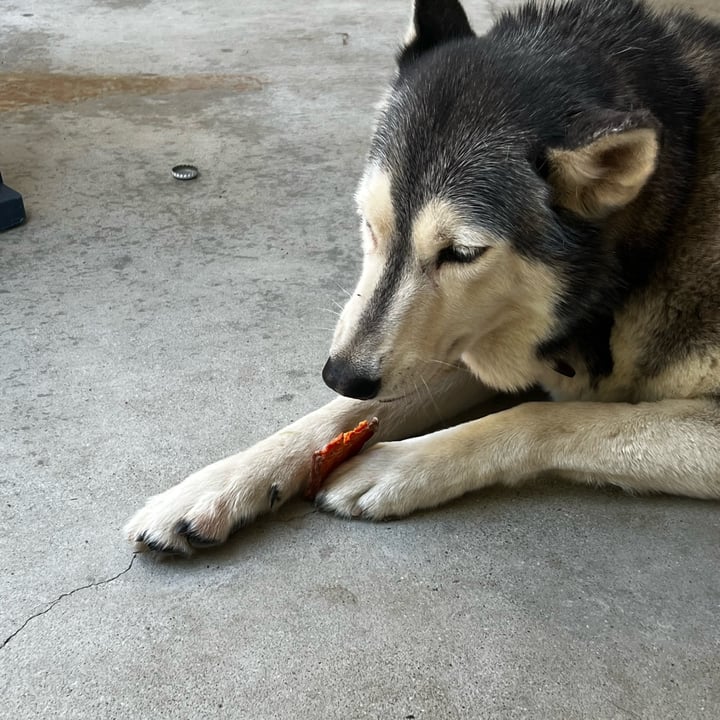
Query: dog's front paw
[[203, 510], [388, 480]]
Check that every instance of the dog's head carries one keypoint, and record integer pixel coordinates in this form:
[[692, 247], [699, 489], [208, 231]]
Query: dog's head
[[491, 172]]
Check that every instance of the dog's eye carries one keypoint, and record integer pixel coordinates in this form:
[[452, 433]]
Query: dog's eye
[[459, 254]]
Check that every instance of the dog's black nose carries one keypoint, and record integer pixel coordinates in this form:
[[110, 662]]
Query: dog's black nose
[[344, 379]]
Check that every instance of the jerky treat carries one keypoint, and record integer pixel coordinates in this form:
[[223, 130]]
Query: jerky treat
[[335, 453]]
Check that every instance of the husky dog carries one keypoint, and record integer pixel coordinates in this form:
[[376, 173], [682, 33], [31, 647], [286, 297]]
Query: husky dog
[[540, 208]]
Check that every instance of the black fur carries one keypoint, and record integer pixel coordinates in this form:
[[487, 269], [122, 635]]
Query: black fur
[[274, 496], [436, 22], [473, 119]]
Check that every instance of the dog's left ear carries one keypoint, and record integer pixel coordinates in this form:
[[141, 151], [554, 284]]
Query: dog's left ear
[[606, 161], [434, 23]]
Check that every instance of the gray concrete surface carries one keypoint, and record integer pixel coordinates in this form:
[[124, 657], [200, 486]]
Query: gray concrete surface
[[148, 326]]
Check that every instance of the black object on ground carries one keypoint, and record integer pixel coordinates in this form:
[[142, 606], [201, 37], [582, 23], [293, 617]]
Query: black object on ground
[[12, 209]]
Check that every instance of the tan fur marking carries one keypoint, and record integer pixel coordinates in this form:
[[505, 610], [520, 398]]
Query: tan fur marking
[[517, 297], [606, 174], [437, 224], [692, 377], [374, 201], [432, 227]]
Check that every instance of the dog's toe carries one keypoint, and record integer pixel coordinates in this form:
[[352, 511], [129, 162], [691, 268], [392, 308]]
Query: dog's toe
[[160, 547], [327, 502], [324, 503], [188, 516], [195, 538], [379, 484]]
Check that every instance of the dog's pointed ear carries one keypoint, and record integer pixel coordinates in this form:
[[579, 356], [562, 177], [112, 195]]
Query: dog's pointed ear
[[434, 22], [607, 159]]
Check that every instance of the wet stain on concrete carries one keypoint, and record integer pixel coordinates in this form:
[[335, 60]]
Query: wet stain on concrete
[[24, 89], [338, 595], [122, 262]]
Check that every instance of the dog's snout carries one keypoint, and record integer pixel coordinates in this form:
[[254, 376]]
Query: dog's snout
[[347, 380]]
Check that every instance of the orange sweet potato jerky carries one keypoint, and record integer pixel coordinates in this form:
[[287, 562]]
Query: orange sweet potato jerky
[[335, 453]]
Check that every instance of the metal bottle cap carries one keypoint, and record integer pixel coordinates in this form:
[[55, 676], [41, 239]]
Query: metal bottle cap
[[185, 172]]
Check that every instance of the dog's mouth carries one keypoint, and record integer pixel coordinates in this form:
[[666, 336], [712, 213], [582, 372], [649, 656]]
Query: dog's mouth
[[391, 399]]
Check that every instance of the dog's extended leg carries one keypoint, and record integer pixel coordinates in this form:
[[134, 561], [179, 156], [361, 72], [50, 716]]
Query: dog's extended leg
[[205, 508], [670, 446]]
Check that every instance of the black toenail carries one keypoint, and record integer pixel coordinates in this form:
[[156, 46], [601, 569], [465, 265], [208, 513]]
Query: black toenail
[[185, 529], [158, 547], [274, 495], [199, 541], [140, 538]]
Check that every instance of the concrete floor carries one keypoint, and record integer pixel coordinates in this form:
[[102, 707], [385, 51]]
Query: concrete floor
[[149, 326]]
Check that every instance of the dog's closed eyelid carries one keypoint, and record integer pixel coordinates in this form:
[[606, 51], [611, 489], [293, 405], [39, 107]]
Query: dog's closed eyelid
[[460, 254]]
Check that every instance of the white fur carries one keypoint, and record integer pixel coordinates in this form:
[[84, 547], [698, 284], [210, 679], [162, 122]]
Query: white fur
[[237, 489], [651, 447]]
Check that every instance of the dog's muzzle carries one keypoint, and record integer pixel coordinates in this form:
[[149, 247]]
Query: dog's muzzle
[[345, 379]]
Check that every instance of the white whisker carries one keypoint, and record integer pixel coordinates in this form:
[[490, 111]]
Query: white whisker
[[432, 398], [334, 302], [347, 292], [417, 390], [454, 366], [330, 310]]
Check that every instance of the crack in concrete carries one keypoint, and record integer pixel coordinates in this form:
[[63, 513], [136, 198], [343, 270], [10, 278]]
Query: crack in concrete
[[64, 595], [106, 582]]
